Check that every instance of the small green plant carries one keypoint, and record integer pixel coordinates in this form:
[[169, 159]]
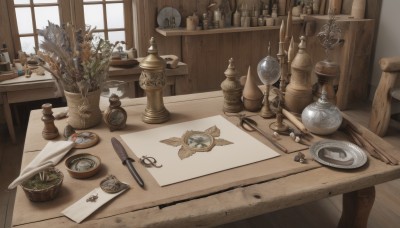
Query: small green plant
[[42, 180]]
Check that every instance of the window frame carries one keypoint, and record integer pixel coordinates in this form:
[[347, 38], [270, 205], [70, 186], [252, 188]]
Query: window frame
[[70, 11]]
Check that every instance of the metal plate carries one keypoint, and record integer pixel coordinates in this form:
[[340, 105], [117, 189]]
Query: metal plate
[[167, 14], [338, 154]]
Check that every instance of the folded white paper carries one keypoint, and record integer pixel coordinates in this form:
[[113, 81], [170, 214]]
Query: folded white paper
[[82, 208]]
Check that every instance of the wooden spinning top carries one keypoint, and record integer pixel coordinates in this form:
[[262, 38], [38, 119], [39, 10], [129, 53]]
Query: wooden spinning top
[[50, 130]]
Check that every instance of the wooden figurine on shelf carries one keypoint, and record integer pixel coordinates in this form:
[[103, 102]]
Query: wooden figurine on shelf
[[232, 90], [299, 90], [50, 130], [115, 116]]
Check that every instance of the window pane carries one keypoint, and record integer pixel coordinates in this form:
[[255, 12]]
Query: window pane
[[28, 44], [116, 36], [92, 0], [24, 20], [44, 1], [21, 1], [94, 15], [115, 15], [45, 14], [97, 35]]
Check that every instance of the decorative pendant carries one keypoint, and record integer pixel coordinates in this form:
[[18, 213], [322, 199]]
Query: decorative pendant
[[197, 141]]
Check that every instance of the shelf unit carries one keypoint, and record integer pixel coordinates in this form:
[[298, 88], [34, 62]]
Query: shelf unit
[[184, 32]]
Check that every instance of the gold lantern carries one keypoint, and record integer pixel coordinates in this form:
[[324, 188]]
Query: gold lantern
[[152, 81]]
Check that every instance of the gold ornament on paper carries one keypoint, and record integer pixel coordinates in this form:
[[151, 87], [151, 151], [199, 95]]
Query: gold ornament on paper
[[197, 141]]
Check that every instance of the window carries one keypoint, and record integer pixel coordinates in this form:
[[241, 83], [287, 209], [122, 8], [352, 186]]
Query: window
[[112, 19]]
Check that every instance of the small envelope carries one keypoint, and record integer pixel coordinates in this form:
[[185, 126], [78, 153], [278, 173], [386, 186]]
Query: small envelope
[[82, 208]]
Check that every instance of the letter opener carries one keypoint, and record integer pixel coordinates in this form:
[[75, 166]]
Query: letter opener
[[127, 161]]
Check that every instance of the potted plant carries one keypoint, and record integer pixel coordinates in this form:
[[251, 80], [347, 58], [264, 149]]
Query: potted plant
[[43, 186], [79, 61]]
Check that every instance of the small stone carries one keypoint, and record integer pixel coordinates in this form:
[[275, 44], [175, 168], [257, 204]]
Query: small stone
[[68, 131], [297, 139]]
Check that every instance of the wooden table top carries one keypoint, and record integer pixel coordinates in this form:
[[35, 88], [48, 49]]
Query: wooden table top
[[214, 199]]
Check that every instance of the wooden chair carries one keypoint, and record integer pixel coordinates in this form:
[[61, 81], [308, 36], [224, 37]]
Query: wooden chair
[[381, 105]]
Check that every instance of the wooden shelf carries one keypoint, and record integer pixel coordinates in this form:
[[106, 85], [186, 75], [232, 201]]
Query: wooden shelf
[[184, 32]]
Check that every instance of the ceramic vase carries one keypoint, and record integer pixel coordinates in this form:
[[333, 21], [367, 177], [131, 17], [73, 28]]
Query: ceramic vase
[[83, 111]]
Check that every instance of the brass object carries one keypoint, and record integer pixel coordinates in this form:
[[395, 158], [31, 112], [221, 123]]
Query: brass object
[[300, 157], [112, 185], [148, 162], [197, 141], [92, 198], [115, 116], [232, 90], [268, 72], [279, 125], [50, 130], [327, 70], [152, 81]]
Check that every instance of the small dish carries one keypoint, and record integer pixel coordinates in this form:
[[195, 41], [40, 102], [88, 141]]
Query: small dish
[[82, 166], [338, 154], [84, 139]]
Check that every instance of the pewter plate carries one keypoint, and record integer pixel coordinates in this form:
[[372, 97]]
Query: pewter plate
[[338, 154]]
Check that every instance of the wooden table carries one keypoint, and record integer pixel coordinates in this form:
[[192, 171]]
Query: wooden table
[[214, 199], [22, 89]]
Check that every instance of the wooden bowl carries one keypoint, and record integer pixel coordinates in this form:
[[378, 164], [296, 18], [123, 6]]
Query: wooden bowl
[[82, 166]]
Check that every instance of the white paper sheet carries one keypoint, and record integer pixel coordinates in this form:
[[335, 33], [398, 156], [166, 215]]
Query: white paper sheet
[[81, 209], [244, 150]]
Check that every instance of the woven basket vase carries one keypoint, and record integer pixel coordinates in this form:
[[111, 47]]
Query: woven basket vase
[[83, 113]]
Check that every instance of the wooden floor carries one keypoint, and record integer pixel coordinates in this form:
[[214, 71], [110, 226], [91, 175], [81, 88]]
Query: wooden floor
[[323, 213]]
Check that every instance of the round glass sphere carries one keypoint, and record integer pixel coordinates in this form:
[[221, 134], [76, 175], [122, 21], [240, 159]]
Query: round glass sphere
[[268, 70]]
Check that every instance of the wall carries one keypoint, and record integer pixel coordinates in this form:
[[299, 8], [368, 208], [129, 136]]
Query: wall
[[388, 42]]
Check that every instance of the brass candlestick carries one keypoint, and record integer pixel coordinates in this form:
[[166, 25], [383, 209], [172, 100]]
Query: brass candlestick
[[279, 125], [152, 81], [268, 72]]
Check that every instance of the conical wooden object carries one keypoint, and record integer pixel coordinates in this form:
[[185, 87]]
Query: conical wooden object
[[252, 95], [299, 90]]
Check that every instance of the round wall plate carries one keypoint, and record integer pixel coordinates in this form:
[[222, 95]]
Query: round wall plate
[[166, 16]]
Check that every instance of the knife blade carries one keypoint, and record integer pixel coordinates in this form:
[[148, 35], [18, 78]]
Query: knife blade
[[127, 161]]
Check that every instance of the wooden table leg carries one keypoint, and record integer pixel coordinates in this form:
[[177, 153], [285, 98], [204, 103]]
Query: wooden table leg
[[8, 117], [356, 208]]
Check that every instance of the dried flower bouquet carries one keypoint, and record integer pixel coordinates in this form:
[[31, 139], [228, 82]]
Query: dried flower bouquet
[[75, 58]]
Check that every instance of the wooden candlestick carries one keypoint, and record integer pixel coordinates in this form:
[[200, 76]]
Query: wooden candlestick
[[50, 130]]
